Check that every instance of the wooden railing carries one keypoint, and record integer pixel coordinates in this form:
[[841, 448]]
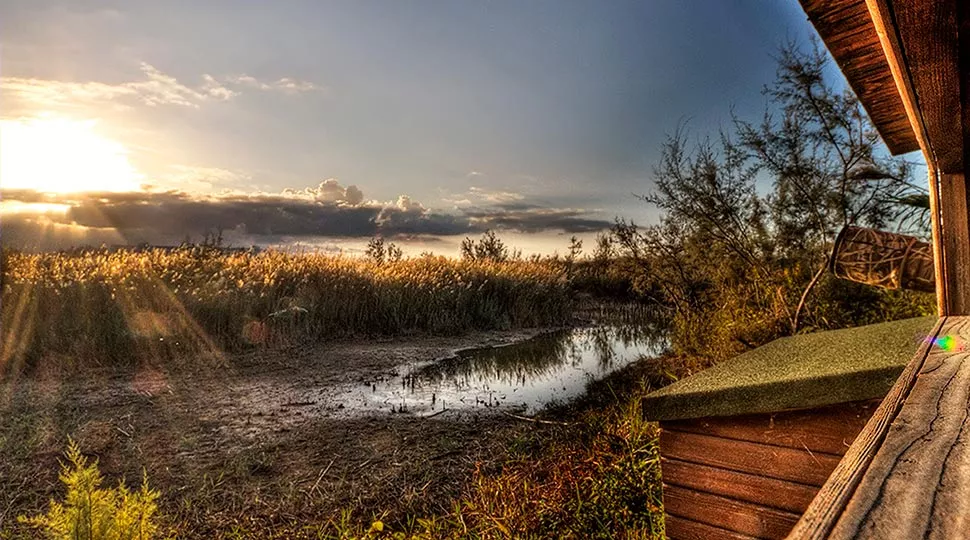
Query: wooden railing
[[907, 475]]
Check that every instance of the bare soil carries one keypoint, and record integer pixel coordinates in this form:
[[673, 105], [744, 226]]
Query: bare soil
[[253, 444]]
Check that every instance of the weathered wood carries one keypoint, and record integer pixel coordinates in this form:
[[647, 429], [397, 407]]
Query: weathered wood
[[827, 509], [752, 488], [737, 516], [829, 429], [943, 284], [927, 31], [955, 242], [921, 44], [882, 21], [916, 483], [686, 529], [851, 38], [795, 465]]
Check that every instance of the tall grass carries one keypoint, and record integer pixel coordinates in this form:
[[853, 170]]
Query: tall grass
[[105, 304]]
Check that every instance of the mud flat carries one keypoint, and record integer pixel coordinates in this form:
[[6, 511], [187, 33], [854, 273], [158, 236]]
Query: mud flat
[[276, 437]]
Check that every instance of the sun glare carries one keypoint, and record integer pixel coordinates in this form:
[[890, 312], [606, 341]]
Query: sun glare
[[62, 155]]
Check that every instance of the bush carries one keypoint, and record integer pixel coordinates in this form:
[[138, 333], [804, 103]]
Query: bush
[[90, 512]]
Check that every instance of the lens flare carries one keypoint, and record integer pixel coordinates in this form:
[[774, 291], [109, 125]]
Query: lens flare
[[949, 343]]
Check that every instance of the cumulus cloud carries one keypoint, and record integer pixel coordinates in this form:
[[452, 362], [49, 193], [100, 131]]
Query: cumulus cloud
[[327, 210], [330, 191]]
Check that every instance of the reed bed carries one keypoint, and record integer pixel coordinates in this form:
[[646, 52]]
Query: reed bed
[[105, 305]]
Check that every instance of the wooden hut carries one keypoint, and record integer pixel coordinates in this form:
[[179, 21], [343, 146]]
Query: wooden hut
[[747, 444], [907, 472]]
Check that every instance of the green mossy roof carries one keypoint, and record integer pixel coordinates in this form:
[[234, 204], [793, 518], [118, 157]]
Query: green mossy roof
[[798, 372]]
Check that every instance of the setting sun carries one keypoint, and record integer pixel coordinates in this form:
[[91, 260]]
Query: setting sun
[[62, 155]]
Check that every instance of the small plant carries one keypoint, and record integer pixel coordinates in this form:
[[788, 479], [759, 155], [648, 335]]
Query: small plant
[[90, 512], [488, 248], [379, 251]]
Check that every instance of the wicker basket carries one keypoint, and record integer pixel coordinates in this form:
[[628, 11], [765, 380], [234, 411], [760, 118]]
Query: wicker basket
[[883, 259]]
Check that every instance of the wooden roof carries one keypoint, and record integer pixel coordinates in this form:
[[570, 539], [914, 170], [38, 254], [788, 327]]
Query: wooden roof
[[850, 35]]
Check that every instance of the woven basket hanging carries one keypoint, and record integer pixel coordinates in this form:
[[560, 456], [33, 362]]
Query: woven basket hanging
[[883, 259]]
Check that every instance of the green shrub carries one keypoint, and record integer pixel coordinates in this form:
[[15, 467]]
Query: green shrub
[[90, 512]]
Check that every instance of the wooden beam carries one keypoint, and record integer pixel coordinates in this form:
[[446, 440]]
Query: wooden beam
[[955, 242], [932, 65]]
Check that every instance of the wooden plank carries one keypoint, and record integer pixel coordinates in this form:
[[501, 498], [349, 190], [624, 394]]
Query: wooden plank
[[825, 429], [917, 483], [725, 513], [756, 489], [943, 282], [819, 520], [794, 465], [679, 528], [927, 32], [955, 243], [889, 39]]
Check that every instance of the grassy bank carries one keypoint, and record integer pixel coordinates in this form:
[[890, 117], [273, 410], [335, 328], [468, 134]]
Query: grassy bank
[[105, 305]]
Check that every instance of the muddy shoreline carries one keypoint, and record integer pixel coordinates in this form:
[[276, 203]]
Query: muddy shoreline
[[230, 441]]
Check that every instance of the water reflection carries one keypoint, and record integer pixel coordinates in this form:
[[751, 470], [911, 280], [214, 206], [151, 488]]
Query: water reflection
[[525, 376]]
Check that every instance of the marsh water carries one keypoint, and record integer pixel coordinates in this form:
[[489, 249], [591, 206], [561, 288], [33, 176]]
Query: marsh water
[[551, 368]]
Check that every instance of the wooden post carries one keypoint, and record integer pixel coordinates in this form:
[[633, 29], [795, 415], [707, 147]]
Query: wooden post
[[936, 66], [955, 243]]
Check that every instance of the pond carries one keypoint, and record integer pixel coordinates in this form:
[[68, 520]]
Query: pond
[[551, 368]]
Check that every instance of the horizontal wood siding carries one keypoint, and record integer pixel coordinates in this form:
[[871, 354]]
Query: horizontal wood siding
[[791, 464], [825, 429], [751, 476], [729, 514], [768, 492], [694, 530]]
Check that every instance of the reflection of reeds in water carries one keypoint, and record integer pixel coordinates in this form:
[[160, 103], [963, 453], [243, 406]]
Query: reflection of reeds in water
[[542, 356], [511, 364]]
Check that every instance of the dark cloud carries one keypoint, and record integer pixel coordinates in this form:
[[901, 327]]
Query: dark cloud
[[330, 210], [530, 218]]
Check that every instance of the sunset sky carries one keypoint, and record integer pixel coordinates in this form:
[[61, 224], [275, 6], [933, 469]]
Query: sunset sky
[[325, 123]]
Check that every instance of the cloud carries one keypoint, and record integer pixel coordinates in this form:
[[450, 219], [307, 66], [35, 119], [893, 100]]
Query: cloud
[[153, 88], [329, 210], [215, 89], [529, 218], [494, 196], [200, 179], [286, 84], [330, 191]]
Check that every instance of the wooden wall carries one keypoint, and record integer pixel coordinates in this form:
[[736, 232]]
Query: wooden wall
[[752, 476]]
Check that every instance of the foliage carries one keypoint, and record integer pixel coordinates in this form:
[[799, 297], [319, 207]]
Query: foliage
[[488, 248], [736, 265], [601, 481], [597, 477], [90, 512], [378, 250], [111, 304]]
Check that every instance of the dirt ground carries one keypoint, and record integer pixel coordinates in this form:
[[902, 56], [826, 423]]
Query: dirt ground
[[254, 442]]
